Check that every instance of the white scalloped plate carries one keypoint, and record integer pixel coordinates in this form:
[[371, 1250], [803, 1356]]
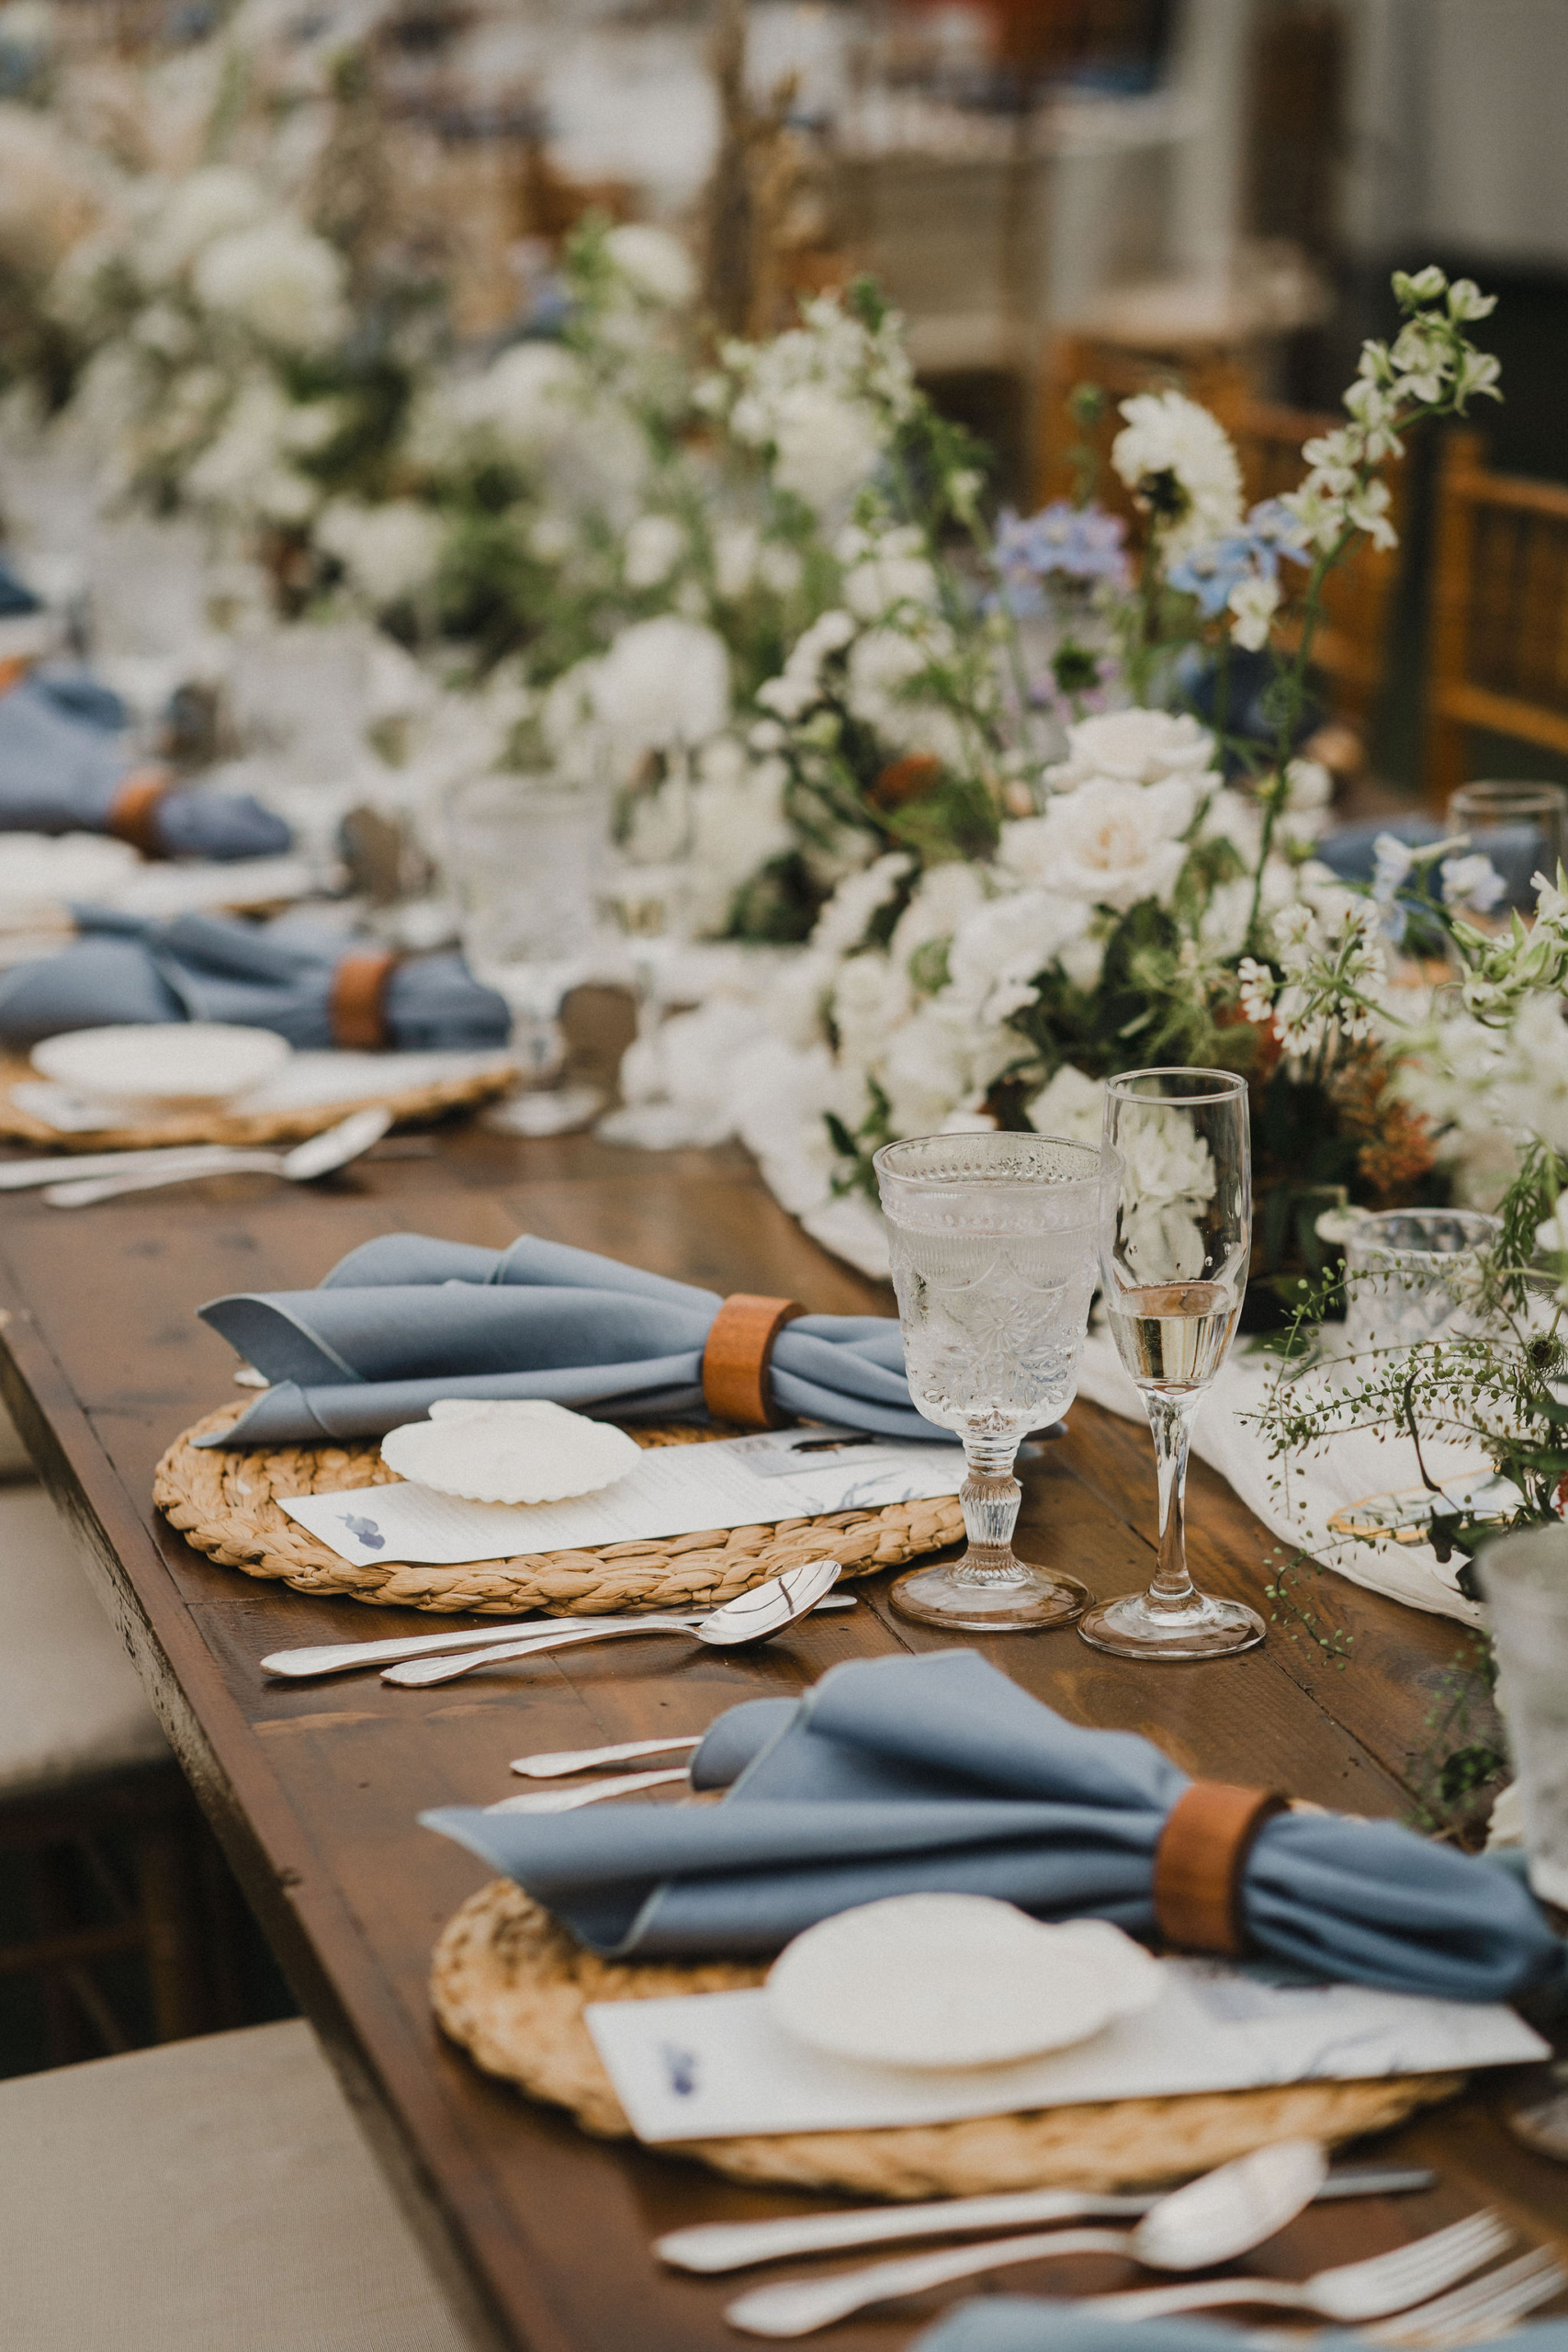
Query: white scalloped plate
[[934, 1981], [174, 1061], [494, 1451]]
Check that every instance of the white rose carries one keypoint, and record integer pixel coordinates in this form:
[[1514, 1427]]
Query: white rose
[[663, 683], [1134, 747], [1072, 1104], [652, 548], [824, 446], [1111, 845], [653, 263], [388, 551], [209, 203], [284, 283]]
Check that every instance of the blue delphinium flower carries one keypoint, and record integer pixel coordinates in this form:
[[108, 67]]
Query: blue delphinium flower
[[1214, 573], [1082, 543]]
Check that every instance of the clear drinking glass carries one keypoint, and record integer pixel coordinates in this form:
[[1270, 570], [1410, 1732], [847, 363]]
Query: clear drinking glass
[[1522, 828], [1524, 1579], [993, 1261], [521, 855], [1411, 1276], [644, 889], [1175, 1237]]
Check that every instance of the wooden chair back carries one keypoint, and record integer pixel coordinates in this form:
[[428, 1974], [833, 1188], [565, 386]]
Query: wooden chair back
[[1498, 654]]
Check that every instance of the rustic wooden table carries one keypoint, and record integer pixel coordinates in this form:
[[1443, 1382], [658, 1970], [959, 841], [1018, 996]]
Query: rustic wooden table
[[541, 2234]]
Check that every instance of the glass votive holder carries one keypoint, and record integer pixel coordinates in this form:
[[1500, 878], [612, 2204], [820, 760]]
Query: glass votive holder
[[1412, 1275], [1524, 1579], [1522, 828]]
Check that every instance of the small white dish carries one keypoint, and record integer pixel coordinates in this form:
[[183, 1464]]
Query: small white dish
[[945, 1981], [502, 1452], [180, 1062]]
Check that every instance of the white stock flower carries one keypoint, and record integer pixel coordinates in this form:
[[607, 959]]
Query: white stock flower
[[1177, 461], [843, 921], [652, 548], [1472, 881], [1252, 604], [279, 280], [998, 951], [1109, 843], [942, 898], [654, 263], [388, 551], [799, 684], [1072, 1104], [885, 667], [663, 683], [1134, 747], [211, 203]]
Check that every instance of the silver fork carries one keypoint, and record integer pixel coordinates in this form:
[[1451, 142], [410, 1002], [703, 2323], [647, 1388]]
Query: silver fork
[[1470, 2314], [1353, 2290]]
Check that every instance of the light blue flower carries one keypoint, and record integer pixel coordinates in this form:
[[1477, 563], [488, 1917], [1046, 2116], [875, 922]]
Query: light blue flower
[[1213, 573], [1061, 541]]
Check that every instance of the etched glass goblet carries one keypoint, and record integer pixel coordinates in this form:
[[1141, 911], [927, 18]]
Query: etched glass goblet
[[1175, 1238], [992, 1240]]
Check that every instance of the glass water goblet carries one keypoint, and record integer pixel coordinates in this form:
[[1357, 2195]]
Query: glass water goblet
[[992, 1241], [645, 897], [1522, 828], [1175, 1237], [521, 854]]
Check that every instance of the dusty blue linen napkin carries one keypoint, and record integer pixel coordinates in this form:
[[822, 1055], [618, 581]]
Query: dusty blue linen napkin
[[1032, 2323], [406, 1320], [62, 767], [895, 1776], [209, 967]]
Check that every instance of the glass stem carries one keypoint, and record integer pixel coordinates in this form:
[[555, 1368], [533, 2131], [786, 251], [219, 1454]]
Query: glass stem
[[1171, 1417], [989, 1498]]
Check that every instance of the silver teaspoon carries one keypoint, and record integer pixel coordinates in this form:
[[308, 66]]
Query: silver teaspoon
[[1211, 2220], [317, 1156], [752, 1616], [557, 1763]]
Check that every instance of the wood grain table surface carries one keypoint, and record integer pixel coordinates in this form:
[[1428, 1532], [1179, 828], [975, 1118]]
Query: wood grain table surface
[[541, 2234]]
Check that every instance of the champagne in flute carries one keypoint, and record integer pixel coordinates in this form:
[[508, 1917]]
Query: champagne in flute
[[1175, 1237]]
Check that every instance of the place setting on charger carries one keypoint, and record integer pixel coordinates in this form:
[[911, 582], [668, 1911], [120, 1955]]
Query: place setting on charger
[[910, 1935]]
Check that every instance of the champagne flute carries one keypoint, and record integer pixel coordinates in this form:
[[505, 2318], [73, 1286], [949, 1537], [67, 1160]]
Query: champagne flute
[[992, 1243], [1175, 1237]]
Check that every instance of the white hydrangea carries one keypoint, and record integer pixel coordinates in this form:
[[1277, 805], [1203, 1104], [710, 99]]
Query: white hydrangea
[[286, 285], [1177, 461]]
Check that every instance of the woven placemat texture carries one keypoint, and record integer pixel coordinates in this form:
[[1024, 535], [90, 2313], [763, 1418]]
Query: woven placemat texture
[[226, 1505], [510, 1986], [414, 1104]]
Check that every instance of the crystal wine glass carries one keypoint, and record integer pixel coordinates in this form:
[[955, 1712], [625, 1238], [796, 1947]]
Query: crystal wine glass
[[520, 856], [1175, 1237], [993, 1261]]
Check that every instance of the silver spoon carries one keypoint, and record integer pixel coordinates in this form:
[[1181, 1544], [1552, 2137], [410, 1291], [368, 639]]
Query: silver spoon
[[1211, 2220], [317, 1156], [626, 1784], [556, 1764], [751, 1617], [521, 1634]]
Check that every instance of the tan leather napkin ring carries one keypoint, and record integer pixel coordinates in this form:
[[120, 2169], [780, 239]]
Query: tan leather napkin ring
[[1199, 1862], [133, 811], [736, 1357], [358, 1004]]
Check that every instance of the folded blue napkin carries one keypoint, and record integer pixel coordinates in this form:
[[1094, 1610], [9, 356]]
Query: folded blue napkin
[[898, 1776], [1032, 2324], [406, 1320], [209, 967], [62, 767]]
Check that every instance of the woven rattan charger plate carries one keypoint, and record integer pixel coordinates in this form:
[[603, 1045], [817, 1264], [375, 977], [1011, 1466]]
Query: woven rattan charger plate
[[510, 1986], [415, 1103], [226, 1504]]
